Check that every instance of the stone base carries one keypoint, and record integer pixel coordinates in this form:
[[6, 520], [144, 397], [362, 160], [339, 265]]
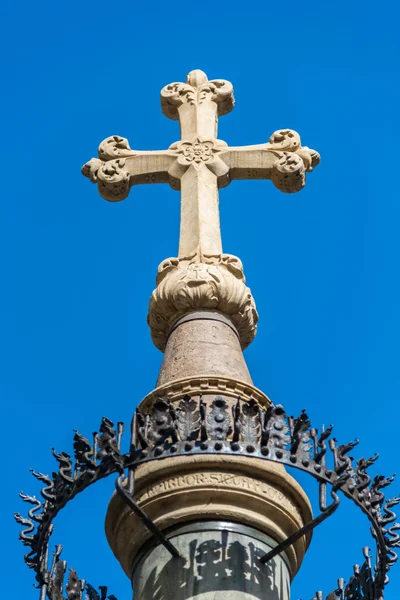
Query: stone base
[[176, 491], [219, 560]]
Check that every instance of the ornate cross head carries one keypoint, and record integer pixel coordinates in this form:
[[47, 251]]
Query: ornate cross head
[[198, 165]]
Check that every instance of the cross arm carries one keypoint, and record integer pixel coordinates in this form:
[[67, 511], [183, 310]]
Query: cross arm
[[282, 160], [118, 168]]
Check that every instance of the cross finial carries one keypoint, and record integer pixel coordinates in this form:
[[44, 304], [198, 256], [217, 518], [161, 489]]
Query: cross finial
[[198, 165]]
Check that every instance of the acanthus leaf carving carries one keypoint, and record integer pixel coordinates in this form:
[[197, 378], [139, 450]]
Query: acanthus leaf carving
[[161, 422], [217, 283], [247, 424], [188, 419], [114, 180], [289, 173], [293, 160], [284, 140], [91, 169], [115, 146], [197, 90], [275, 430]]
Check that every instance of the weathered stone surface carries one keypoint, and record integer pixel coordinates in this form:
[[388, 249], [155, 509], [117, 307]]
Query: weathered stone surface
[[203, 347], [217, 284], [216, 564], [206, 385], [192, 488]]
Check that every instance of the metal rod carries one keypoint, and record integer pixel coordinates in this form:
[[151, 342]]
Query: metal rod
[[43, 592], [322, 497], [300, 532], [151, 526]]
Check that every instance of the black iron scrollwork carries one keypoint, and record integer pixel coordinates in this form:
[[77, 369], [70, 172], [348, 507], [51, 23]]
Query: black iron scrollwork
[[244, 429], [92, 463], [270, 434]]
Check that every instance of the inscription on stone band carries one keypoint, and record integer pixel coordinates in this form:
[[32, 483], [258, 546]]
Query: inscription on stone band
[[220, 480]]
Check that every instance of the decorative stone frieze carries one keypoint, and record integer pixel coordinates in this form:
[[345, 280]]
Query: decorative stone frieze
[[230, 388]]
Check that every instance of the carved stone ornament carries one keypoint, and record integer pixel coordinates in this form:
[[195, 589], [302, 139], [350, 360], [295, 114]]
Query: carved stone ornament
[[197, 91], [282, 159], [208, 386], [218, 283], [202, 277]]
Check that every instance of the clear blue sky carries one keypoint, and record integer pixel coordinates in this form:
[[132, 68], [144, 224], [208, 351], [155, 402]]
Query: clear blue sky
[[77, 271]]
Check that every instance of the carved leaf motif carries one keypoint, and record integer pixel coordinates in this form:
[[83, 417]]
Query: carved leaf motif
[[217, 284], [114, 180], [219, 420], [250, 422], [197, 90], [288, 174], [275, 428], [115, 146], [188, 422], [91, 169], [161, 424], [285, 140]]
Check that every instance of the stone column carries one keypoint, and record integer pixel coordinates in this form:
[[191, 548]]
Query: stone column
[[222, 514], [204, 469], [203, 343], [219, 560]]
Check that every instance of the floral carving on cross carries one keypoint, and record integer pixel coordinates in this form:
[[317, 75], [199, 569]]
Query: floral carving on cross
[[198, 165]]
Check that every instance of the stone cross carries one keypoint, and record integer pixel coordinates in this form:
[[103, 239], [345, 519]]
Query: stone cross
[[199, 164], [201, 278]]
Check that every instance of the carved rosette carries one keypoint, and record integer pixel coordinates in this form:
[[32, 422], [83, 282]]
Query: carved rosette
[[218, 283], [198, 152]]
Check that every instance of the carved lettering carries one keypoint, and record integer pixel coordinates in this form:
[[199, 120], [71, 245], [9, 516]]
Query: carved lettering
[[229, 480]]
